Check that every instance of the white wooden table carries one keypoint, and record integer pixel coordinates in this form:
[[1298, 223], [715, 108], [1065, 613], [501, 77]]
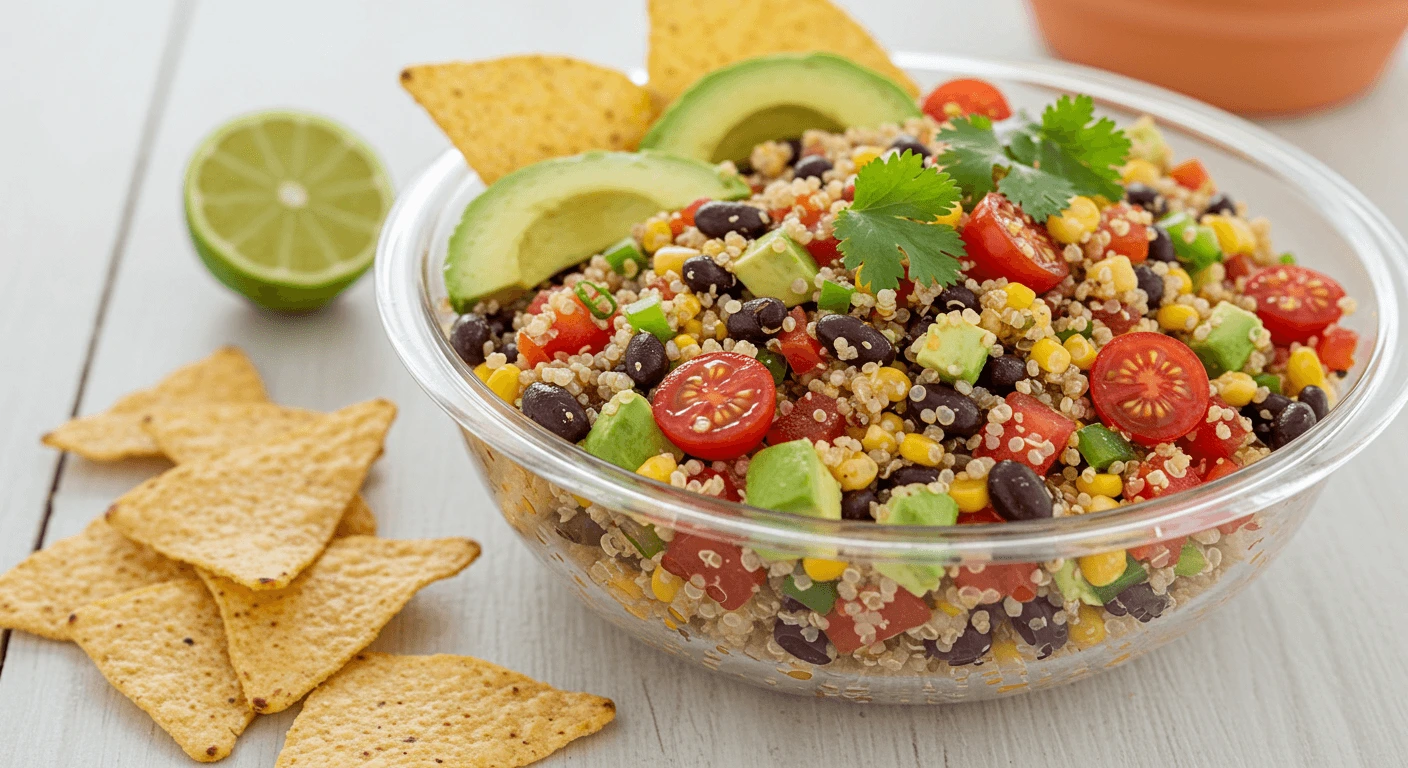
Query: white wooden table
[[100, 293]]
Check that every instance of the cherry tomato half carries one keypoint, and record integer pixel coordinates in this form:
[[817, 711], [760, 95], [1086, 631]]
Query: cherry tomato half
[[1128, 238], [970, 96], [1149, 385], [998, 237], [716, 406], [1294, 303]]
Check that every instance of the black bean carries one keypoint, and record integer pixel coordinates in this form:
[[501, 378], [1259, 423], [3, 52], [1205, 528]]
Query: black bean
[[1316, 398], [1037, 625], [956, 297], [870, 345], [717, 218], [796, 145], [581, 529], [855, 505], [703, 275], [1290, 423], [792, 640], [1161, 247], [1145, 197], [468, 336], [911, 475], [925, 400], [511, 351], [793, 605], [557, 410], [1001, 374], [1151, 284], [1263, 414], [1222, 203], [1017, 492], [907, 142], [916, 329], [757, 320], [970, 647], [1140, 602], [646, 362], [811, 165]]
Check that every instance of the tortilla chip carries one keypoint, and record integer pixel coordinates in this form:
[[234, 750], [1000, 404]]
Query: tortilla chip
[[38, 595], [117, 433], [284, 642], [358, 520], [163, 647], [503, 114], [690, 39], [433, 710], [259, 515]]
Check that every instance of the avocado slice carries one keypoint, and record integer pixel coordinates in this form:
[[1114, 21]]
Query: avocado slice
[[1073, 586], [921, 508], [1229, 344], [543, 218], [625, 433], [730, 110], [773, 264]]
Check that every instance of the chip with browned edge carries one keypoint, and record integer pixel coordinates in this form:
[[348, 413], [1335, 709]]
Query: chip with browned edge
[[226, 376], [283, 642], [163, 647], [259, 515], [436, 710], [503, 114], [38, 595], [690, 39]]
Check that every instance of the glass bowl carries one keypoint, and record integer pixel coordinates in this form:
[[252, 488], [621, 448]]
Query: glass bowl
[[602, 528]]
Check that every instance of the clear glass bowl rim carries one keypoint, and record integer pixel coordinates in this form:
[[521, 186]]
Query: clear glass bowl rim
[[409, 314]]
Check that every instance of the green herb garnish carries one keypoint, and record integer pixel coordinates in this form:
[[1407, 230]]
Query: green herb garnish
[[892, 218], [597, 299]]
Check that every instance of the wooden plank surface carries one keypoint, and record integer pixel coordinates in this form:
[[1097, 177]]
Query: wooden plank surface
[[1302, 669]]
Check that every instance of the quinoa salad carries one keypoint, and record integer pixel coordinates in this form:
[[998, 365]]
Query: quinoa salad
[[969, 316]]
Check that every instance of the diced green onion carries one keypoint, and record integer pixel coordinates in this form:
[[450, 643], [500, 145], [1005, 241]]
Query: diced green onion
[[597, 299]]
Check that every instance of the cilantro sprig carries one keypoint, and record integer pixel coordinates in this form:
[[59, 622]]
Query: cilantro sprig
[[1040, 166], [892, 218]]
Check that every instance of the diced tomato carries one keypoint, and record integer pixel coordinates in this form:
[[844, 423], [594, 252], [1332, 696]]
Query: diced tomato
[[1160, 554], [1294, 303], [1134, 242], [1149, 385], [804, 354], [998, 237], [1336, 348], [530, 350], [676, 223], [903, 613], [1190, 174], [720, 563], [1188, 479], [984, 515], [1219, 469], [1042, 430], [1205, 443], [732, 490], [1238, 265], [571, 333], [1120, 321], [969, 96], [536, 305], [824, 251], [801, 421], [662, 285], [687, 215], [716, 406], [1012, 580]]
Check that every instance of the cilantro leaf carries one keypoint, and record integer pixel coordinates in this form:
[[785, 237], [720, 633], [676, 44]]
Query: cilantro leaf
[[972, 153], [1039, 192], [896, 200], [1089, 154]]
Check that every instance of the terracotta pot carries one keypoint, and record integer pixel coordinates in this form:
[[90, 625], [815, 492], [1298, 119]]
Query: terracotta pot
[[1250, 56]]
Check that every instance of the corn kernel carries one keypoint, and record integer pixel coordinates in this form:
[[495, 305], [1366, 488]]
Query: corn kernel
[[921, 450], [627, 585], [1177, 317], [657, 236], [948, 608], [1090, 630], [864, 154], [1122, 276], [686, 306], [482, 371], [1102, 569], [1236, 388], [671, 258], [820, 569], [692, 328], [1050, 355], [891, 382], [1019, 296], [1005, 651], [877, 439], [658, 467], [1233, 234], [1079, 219], [1081, 350], [1304, 369], [1185, 283], [952, 217], [971, 494], [1141, 171], [684, 340], [1103, 484], [891, 423], [1102, 503], [665, 585], [856, 472], [504, 382]]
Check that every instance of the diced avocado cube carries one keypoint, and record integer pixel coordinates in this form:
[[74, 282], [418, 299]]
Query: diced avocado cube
[[625, 433], [1134, 573], [790, 477], [623, 254], [819, 597], [1269, 380], [921, 508], [1147, 141], [1287, 258], [1190, 561], [773, 264], [1102, 446], [1193, 244], [955, 349], [835, 297], [1229, 343], [647, 315], [776, 364], [1073, 586], [643, 537]]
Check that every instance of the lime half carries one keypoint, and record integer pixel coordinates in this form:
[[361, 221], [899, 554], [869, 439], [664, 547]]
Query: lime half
[[285, 208]]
